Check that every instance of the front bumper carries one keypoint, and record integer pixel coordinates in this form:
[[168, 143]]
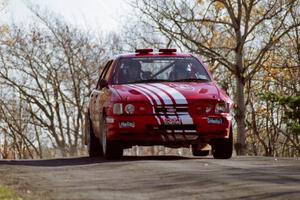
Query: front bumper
[[148, 129]]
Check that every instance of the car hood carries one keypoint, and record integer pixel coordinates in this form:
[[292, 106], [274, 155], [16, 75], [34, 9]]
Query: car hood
[[169, 93]]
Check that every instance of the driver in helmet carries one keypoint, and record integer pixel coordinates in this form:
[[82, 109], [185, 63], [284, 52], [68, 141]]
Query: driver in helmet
[[131, 72], [180, 71]]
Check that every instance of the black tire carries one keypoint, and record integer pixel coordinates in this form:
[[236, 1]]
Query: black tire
[[110, 150], [94, 145], [222, 148], [200, 152]]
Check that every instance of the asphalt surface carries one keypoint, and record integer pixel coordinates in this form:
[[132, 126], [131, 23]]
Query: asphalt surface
[[163, 177]]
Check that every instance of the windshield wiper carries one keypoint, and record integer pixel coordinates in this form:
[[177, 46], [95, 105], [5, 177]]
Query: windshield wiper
[[192, 80], [150, 81]]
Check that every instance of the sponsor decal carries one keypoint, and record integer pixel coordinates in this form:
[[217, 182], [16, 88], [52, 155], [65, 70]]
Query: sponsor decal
[[171, 109], [127, 125], [181, 86], [109, 120], [214, 120], [172, 121]]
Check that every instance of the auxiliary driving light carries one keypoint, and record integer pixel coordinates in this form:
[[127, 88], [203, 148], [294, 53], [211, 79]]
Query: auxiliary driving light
[[222, 108], [129, 109]]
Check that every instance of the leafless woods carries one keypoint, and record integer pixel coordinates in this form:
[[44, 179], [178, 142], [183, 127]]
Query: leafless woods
[[253, 48]]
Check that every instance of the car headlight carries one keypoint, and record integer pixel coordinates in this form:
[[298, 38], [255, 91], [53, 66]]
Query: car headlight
[[222, 108], [118, 109], [129, 109]]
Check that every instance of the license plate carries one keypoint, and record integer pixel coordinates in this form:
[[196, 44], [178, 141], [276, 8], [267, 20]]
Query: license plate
[[172, 121], [214, 121]]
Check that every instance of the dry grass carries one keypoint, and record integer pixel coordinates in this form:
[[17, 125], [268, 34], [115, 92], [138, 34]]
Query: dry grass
[[7, 194]]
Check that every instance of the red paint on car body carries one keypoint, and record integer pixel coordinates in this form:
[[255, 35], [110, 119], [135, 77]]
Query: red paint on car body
[[169, 111]]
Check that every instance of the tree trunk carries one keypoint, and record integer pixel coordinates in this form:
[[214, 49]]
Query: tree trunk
[[240, 146]]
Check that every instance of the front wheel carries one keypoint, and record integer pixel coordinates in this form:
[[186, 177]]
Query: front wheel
[[222, 148], [110, 150], [198, 151], [94, 146]]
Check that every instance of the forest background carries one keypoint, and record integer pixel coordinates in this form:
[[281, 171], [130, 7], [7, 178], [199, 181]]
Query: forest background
[[252, 47]]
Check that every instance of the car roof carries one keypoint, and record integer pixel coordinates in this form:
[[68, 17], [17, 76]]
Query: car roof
[[154, 54]]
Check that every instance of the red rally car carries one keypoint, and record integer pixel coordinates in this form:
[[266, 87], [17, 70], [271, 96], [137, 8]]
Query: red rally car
[[164, 98]]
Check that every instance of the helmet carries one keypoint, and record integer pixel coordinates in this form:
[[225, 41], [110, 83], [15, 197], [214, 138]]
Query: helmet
[[181, 67], [182, 70], [132, 65], [130, 71]]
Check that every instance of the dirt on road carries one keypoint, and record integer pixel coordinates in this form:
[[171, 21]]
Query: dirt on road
[[165, 177]]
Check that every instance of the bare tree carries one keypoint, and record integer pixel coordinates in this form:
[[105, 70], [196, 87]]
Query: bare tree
[[237, 34], [19, 137], [51, 69], [3, 4]]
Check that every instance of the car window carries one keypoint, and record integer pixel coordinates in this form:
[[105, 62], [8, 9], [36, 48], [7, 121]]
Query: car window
[[130, 70], [108, 71], [104, 73], [103, 70]]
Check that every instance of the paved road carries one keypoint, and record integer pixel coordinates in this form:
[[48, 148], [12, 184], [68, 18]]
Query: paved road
[[165, 177]]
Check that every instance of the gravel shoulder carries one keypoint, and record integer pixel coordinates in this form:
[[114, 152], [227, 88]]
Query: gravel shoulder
[[162, 177]]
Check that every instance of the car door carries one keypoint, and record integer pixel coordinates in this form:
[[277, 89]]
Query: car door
[[97, 98]]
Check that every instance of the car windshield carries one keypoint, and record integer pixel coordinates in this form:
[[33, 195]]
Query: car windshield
[[159, 69]]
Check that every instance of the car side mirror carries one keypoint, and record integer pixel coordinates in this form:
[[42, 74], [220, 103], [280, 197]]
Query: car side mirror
[[103, 83]]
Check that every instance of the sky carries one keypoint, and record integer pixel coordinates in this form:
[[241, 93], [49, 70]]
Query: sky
[[103, 15]]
